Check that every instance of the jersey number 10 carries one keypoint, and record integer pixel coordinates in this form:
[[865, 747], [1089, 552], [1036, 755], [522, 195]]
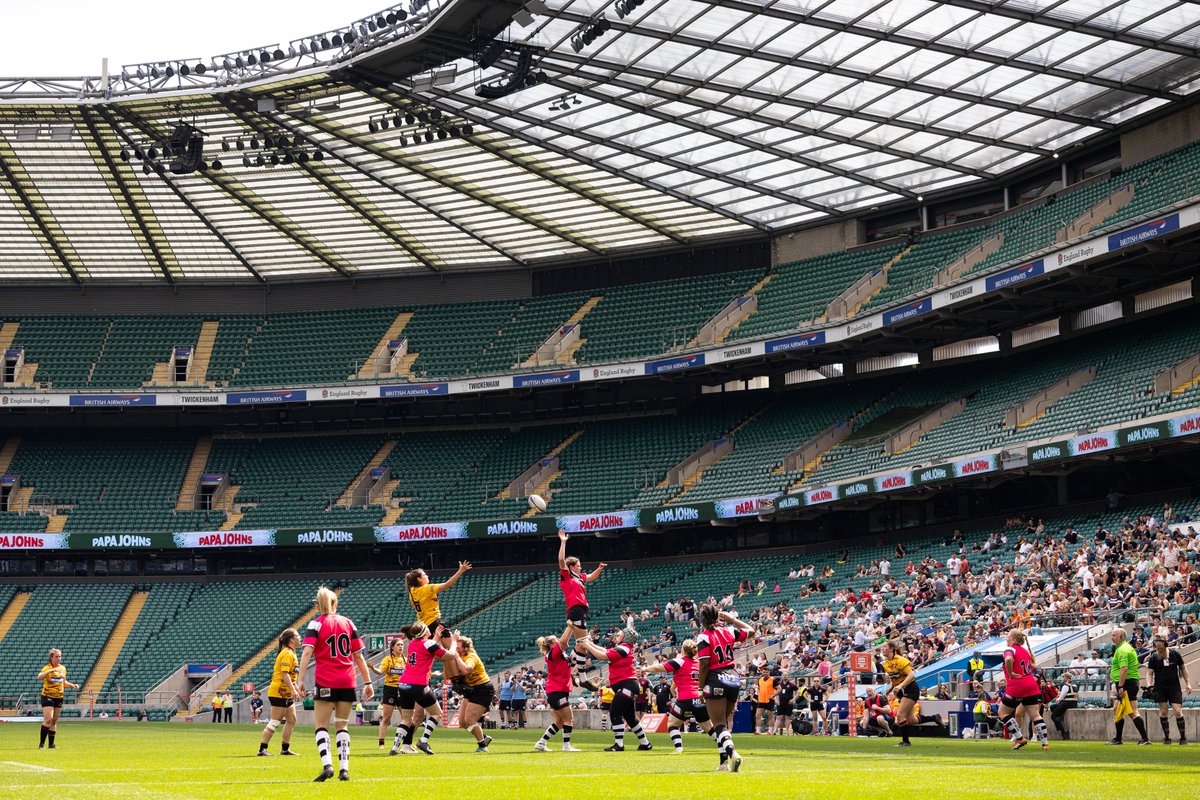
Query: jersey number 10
[[339, 645]]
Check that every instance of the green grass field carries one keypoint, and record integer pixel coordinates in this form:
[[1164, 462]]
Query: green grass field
[[118, 760]]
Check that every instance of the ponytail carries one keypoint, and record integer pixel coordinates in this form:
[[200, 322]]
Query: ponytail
[[286, 637], [327, 601]]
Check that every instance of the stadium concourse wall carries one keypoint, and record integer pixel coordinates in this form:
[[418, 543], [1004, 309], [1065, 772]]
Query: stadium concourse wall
[[1005, 278], [1142, 433]]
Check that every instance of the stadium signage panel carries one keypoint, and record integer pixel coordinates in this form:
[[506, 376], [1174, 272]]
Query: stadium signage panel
[[113, 400], [618, 371], [897, 480], [414, 390], [208, 399], [8, 480], [863, 325], [1092, 443], [224, 539], [857, 488], [1184, 426], [1014, 276], [587, 523], [546, 378], [674, 364], [430, 531], [32, 400], [1143, 433], [788, 502], [119, 541], [825, 494], [909, 311], [348, 393], [1054, 451], [1080, 252], [674, 515], [730, 353], [1143, 232], [326, 536], [533, 526], [33, 541], [260, 398], [744, 506], [942, 472], [978, 465], [796, 342]]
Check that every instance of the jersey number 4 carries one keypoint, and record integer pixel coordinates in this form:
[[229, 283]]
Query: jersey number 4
[[339, 645]]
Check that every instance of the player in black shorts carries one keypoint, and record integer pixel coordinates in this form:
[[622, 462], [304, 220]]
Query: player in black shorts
[[1168, 677], [785, 706], [816, 705]]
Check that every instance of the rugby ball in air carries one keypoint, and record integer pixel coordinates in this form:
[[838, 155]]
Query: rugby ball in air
[[537, 503]]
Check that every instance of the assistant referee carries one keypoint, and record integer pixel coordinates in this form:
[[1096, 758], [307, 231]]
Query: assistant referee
[[1124, 675]]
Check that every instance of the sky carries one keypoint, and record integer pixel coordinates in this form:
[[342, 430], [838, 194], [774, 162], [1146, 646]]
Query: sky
[[68, 38]]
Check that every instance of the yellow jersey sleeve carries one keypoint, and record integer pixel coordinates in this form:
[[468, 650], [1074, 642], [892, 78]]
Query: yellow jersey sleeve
[[476, 674], [52, 684], [424, 601], [285, 664]]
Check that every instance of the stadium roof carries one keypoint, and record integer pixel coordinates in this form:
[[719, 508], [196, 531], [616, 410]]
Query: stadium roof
[[688, 121]]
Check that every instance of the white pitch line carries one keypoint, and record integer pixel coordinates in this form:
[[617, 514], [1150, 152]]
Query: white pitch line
[[29, 766]]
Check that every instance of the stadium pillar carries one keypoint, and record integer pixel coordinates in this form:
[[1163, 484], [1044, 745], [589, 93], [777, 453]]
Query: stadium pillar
[[852, 718]]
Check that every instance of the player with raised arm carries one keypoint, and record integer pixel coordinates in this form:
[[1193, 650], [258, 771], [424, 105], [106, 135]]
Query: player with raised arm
[[283, 693], [558, 690], [1021, 690], [476, 690], [424, 595], [718, 677], [573, 581], [622, 678], [414, 689], [391, 668], [54, 679], [332, 642], [688, 704]]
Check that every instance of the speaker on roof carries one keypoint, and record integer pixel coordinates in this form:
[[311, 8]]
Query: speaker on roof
[[187, 143]]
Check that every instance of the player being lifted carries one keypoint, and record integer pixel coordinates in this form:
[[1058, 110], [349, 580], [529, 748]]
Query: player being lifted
[[54, 679], [688, 704], [719, 677], [573, 581], [424, 598], [282, 694], [332, 642]]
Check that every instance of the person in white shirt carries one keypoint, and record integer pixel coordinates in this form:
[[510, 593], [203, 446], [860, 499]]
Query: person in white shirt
[[1096, 669], [1079, 667], [885, 567]]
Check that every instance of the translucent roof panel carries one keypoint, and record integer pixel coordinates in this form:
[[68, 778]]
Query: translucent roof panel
[[685, 122]]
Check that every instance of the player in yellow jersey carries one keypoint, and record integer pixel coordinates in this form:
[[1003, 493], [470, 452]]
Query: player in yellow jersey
[[54, 679], [424, 595], [476, 690], [283, 693], [392, 667], [905, 689]]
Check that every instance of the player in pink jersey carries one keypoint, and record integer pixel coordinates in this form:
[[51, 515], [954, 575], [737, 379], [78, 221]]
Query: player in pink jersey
[[332, 643], [573, 581], [622, 679], [688, 704], [718, 677], [414, 688], [1021, 689], [558, 690]]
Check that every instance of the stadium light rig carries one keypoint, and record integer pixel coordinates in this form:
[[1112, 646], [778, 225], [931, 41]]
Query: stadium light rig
[[416, 124], [589, 32], [182, 153]]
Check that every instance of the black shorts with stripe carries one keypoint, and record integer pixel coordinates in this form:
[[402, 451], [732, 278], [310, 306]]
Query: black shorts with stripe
[[391, 696], [412, 695], [690, 709]]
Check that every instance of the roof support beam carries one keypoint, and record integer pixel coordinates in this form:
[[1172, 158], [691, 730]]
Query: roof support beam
[[355, 136], [138, 211], [249, 200], [529, 163], [36, 211], [895, 37], [844, 72], [187, 201], [389, 228]]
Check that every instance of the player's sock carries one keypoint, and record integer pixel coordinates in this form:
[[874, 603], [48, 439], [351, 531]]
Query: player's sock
[[676, 738], [50, 736], [639, 733], [381, 741], [1138, 723], [429, 724], [42, 739], [1009, 722], [724, 740], [285, 747], [1043, 734], [403, 736], [549, 734], [1165, 722], [619, 734], [342, 739], [262, 746], [408, 734], [1120, 725], [1179, 723], [566, 730], [323, 748]]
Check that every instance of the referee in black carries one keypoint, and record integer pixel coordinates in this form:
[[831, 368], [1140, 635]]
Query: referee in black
[[1068, 698], [1168, 676]]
